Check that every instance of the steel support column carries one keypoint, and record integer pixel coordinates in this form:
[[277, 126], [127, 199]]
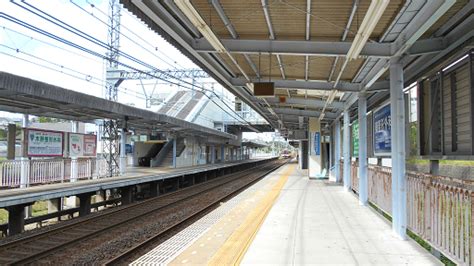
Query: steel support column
[[24, 172], [123, 154], [222, 153], [213, 154], [174, 152], [397, 105], [363, 185], [337, 150], [11, 140], [347, 152]]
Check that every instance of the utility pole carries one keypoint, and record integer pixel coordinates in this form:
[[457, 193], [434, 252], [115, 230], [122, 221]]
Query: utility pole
[[110, 133]]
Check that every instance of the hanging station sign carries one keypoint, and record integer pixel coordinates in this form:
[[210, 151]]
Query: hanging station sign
[[382, 131], [355, 138], [43, 143], [317, 143], [81, 145]]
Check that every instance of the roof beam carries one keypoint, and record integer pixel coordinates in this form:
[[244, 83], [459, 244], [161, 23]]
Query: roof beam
[[308, 23], [307, 102], [296, 112], [291, 47], [266, 13], [167, 24], [220, 11], [306, 85], [355, 4], [320, 48], [424, 19]]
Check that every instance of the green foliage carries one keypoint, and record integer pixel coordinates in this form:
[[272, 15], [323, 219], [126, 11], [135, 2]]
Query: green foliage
[[43, 119], [413, 139]]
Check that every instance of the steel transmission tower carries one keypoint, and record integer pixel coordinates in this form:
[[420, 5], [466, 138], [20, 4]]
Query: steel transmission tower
[[114, 77], [110, 133]]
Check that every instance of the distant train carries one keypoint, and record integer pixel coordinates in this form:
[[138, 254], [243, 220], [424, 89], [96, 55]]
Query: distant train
[[285, 154]]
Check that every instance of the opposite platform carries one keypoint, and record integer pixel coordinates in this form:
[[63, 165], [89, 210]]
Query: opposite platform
[[136, 175]]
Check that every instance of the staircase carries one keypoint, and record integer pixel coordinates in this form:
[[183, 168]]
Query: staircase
[[165, 156], [154, 150], [189, 106], [171, 102]]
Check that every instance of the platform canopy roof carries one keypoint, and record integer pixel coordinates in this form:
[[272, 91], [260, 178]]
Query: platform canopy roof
[[253, 144], [319, 54], [23, 95]]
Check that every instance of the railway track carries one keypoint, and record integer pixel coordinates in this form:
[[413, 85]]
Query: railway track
[[59, 244]]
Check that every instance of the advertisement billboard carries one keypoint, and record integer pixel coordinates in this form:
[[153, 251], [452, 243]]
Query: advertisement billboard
[[43, 143], [382, 131], [90, 145], [81, 145]]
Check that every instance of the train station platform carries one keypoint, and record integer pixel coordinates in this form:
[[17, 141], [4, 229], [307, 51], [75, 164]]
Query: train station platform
[[288, 219], [134, 176]]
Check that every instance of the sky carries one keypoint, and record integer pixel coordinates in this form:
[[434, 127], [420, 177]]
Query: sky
[[88, 70], [30, 54]]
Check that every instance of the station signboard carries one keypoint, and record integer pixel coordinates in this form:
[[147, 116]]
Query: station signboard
[[82, 145], [317, 143], [355, 139], [382, 131], [44, 143]]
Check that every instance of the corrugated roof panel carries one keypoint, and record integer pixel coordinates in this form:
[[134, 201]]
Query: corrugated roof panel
[[319, 67]]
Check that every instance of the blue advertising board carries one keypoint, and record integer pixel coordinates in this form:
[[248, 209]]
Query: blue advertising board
[[382, 131], [317, 143]]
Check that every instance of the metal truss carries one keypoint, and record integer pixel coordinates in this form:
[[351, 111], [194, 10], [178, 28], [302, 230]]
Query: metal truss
[[109, 134]]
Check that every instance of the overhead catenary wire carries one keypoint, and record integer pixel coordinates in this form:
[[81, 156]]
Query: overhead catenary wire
[[123, 34], [137, 35], [94, 40], [102, 44]]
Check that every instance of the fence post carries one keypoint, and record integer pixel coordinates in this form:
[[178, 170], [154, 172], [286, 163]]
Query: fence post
[[427, 208], [63, 170], [2, 166], [471, 241], [89, 163], [24, 172], [74, 170]]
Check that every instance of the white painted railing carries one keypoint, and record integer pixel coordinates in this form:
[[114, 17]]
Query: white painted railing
[[45, 171]]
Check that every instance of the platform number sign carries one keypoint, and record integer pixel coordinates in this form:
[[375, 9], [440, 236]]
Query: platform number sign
[[383, 131]]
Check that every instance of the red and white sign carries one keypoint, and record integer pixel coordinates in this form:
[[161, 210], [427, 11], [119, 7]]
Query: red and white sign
[[81, 145], [90, 145]]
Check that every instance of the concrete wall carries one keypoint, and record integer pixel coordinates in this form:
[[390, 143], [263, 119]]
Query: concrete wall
[[209, 114], [61, 126], [194, 153], [140, 150]]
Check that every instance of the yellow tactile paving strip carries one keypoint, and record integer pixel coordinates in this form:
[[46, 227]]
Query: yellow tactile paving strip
[[226, 241]]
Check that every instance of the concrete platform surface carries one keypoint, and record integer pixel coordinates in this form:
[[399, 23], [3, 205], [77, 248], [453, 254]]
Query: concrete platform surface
[[316, 222], [286, 219]]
